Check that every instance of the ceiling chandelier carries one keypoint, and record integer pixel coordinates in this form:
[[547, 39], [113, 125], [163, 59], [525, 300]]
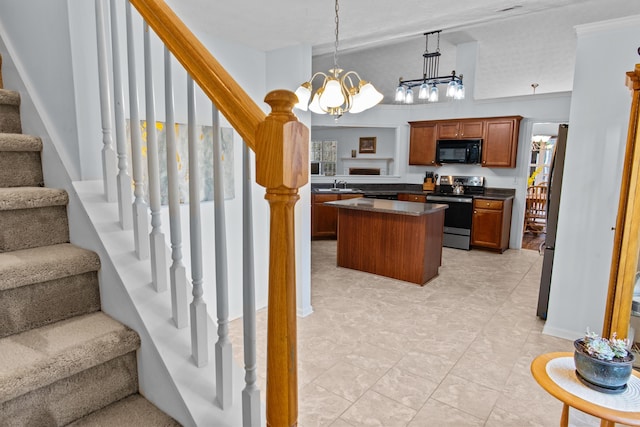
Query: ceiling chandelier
[[339, 93], [430, 80]]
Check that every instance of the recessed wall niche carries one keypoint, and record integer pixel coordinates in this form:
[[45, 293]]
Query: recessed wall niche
[[348, 143]]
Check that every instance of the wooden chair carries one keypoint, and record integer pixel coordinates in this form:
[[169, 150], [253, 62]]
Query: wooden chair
[[535, 217]]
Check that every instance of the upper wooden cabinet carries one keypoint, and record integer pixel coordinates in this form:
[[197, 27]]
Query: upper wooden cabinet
[[422, 143], [460, 129], [499, 135], [500, 144]]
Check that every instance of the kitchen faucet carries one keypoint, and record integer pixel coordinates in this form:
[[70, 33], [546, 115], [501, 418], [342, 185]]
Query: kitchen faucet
[[336, 183]]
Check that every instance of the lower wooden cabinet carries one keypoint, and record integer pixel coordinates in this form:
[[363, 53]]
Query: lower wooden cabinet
[[491, 224], [408, 197], [324, 219]]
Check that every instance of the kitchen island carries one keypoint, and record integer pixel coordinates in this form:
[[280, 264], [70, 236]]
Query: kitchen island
[[401, 240]]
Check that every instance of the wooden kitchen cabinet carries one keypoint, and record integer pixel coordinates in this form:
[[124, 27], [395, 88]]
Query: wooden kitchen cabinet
[[491, 224], [460, 129], [324, 219], [447, 130], [499, 139], [500, 144], [408, 197], [422, 143]]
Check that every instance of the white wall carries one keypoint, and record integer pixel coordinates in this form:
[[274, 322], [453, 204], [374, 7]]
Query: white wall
[[85, 72], [590, 190], [41, 51], [284, 66], [349, 139]]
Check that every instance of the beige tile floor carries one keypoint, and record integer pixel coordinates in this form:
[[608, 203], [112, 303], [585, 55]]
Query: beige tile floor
[[455, 352]]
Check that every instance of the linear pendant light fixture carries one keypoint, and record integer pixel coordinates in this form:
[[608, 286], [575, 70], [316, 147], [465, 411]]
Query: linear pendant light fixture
[[428, 84], [339, 93]]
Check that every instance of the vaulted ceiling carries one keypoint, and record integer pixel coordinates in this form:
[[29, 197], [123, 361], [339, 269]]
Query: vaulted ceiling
[[519, 42]]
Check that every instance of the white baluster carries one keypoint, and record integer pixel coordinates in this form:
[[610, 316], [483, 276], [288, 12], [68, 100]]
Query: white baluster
[[124, 180], [139, 207], [224, 355], [109, 167], [199, 317], [177, 270], [250, 393], [157, 242]]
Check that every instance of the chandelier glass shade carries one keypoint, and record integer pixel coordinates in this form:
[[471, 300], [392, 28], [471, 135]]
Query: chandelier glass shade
[[338, 93], [428, 84]]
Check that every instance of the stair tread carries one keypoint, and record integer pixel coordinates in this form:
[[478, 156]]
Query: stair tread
[[19, 142], [38, 357], [31, 197], [9, 97], [133, 410], [42, 264]]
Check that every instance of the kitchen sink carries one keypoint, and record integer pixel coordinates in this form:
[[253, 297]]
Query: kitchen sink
[[338, 190]]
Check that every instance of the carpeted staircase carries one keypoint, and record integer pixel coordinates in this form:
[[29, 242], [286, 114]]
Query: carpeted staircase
[[62, 360]]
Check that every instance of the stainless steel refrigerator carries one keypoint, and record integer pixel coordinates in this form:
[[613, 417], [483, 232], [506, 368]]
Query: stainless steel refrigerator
[[553, 202]]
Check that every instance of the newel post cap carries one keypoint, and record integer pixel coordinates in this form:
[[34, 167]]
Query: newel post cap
[[282, 145]]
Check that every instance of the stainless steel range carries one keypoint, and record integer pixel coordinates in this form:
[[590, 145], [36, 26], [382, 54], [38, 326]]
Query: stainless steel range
[[457, 192]]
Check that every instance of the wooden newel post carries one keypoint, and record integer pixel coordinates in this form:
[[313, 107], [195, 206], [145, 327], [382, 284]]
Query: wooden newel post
[[282, 162]]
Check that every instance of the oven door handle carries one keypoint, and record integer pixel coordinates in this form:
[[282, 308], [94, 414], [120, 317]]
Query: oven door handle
[[449, 199]]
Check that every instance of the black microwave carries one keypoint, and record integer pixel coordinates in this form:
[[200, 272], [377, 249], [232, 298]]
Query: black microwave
[[467, 151]]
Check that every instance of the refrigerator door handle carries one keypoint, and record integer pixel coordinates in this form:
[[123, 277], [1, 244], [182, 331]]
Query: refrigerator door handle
[[542, 247]]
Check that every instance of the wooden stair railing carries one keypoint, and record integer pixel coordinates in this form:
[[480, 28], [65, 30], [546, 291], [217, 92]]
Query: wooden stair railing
[[280, 144]]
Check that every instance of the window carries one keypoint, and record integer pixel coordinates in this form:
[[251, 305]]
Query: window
[[325, 154]]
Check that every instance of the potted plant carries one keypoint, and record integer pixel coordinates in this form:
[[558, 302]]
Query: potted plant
[[603, 364]]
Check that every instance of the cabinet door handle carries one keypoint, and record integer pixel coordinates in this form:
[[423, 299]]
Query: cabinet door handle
[[475, 211]]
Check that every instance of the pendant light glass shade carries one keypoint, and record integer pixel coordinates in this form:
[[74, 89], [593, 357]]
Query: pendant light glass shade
[[315, 104], [452, 88], [365, 98], [400, 93], [332, 96], [303, 93], [369, 95], [434, 94], [408, 98], [424, 91], [459, 92]]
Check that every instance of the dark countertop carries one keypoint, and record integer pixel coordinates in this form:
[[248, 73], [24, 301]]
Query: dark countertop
[[394, 189], [389, 206], [498, 194]]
